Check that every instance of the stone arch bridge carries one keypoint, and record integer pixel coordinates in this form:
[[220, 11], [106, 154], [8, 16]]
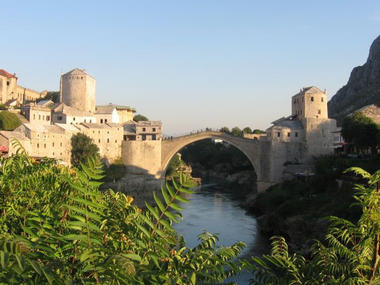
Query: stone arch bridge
[[153, 157]]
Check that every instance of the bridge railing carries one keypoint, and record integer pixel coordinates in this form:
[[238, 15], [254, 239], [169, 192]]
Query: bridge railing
[[192, 133]]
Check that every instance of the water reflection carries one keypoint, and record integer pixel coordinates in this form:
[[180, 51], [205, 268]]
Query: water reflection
[[217, 212]]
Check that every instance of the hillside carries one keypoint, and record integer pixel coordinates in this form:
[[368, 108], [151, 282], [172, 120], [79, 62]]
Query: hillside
[[362, 88]]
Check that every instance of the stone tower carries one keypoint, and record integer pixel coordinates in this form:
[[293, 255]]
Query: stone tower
[[78, 90], [310, 102]]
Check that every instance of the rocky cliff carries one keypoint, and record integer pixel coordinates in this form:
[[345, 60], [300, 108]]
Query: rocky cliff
[[362, 88]]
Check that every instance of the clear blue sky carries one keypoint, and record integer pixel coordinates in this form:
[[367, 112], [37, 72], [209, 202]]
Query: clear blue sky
[[191, 64]]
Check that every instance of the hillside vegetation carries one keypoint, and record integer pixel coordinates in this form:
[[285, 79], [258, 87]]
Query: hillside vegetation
[[9, 121]]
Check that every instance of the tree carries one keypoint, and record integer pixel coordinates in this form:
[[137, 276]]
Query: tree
[[350, 255], [361, 131], [247, 130], [225, 130], [236, 131], [50, 95], [257, 131], [82, 147], [139, 117], [9, 121]]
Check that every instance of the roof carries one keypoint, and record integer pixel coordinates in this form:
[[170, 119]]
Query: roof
[[63, 108], [130, 127], [13, 134], [288, 122], [310, 90], [99, 126], [7, 74], [45, 103], [77, 71], [108, 109]]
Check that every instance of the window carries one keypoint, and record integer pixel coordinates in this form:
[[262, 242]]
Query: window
[[312, 99], [154, 129], [296, 135], [108, 140], [105, 120], [73, 118], [52, 144], [98, 140], [60, 145], [319, 112], [39, 117], [8, 83], [125, 137], [288, 134], [47, 118], [143, 137], [101, 121], [34, 116], [321, 99], [85, 120], [143, 129], [44, 145], [59, 118], [115, 141], [278, 134]]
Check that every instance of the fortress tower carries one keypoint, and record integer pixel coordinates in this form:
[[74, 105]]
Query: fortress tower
[[78, 90], [310, 102]]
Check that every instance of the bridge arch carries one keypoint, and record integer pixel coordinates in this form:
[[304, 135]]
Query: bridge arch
[[248, 147]]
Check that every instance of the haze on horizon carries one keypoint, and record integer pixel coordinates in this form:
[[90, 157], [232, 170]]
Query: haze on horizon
[[193, 64]]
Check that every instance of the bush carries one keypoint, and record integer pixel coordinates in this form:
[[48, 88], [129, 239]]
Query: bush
[[9, 121], [138, 118], [56, 227]]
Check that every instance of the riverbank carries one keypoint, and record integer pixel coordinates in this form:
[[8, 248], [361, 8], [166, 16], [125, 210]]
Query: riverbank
[[299, 209]]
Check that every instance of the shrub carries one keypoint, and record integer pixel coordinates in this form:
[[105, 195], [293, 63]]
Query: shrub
[[56, 227], [9, 121]]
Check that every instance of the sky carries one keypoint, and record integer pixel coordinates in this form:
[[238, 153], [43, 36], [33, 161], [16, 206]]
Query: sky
[[191, 64]]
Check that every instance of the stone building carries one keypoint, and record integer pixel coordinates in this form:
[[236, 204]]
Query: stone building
[[63, 114], [10, 90], [78, 90], [114, 114], [38, 113], [309, 127], [50, 126]]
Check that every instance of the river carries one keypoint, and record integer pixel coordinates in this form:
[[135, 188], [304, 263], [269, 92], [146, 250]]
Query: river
[[219, 212]]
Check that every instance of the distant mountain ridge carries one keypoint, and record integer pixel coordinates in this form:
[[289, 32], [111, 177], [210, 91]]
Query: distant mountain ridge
[[362, 88]]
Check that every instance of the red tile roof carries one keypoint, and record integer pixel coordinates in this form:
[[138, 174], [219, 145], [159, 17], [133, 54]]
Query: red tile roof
[[7, 74]]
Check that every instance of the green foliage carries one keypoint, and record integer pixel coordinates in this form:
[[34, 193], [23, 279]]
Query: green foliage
[[209, 154], [56, 227], [350, 255], [9, 121], [257, 131], [247, 130], [115, 171], [51, 95], [225, 130], [236, 131], [82, 147], [361, 131], [139, 117], [3, 107]]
